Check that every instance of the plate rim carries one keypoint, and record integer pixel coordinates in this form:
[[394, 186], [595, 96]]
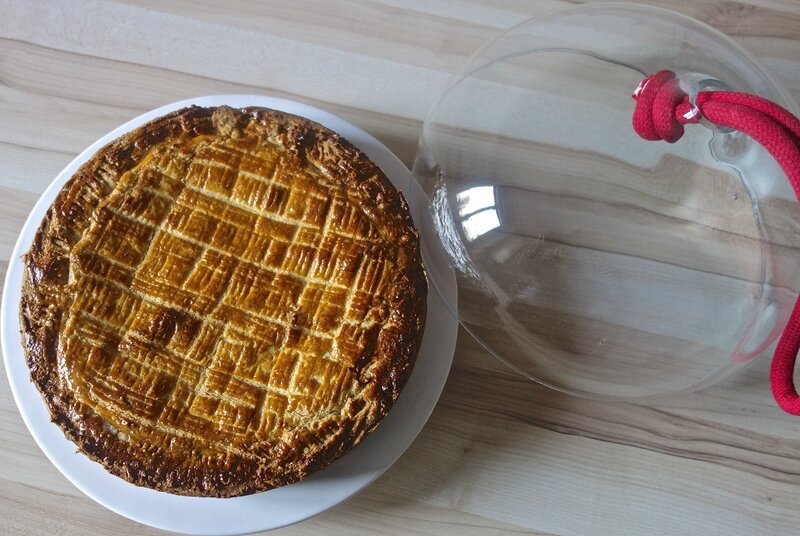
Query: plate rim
[[101, 486]]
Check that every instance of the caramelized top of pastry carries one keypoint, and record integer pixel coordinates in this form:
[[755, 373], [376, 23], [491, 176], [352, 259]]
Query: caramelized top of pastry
[[223, 301]]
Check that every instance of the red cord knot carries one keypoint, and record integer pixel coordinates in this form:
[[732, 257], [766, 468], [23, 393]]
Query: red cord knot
[[662, 108], [661, 111]]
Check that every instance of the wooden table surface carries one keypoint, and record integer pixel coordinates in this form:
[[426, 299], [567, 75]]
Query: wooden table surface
[[499, 454]]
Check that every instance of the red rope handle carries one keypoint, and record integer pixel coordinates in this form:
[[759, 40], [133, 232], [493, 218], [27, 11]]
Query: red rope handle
[[662, 109]]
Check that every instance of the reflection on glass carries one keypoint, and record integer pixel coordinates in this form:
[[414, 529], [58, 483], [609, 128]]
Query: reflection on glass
[[474, 199], [480, 223], [476, 210]]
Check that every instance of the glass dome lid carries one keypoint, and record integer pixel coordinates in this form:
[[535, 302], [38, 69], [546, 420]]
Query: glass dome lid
[[585, 257]]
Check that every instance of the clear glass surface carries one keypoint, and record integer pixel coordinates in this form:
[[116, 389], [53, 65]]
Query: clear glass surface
[[587, 258]]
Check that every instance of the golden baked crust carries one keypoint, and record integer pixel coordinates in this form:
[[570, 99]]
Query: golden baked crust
[[223, 301]]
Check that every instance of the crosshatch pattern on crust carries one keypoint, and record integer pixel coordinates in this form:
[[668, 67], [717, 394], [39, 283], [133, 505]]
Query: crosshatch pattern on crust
[[223, 301]]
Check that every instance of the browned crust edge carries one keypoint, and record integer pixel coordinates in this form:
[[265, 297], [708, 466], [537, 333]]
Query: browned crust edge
[[46, 271]]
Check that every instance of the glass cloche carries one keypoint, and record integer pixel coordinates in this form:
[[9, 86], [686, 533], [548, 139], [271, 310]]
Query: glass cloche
[[587, 258]]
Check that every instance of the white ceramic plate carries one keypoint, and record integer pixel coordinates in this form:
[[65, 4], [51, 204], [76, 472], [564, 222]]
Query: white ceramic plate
[[271, 509]]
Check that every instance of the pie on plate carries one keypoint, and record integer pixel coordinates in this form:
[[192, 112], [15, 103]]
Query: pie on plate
[[223, 301]]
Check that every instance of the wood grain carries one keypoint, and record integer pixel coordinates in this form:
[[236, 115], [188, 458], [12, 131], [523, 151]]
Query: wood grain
[[500, 455]]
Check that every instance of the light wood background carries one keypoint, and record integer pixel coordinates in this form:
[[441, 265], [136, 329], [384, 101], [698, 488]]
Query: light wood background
[[499, 454]]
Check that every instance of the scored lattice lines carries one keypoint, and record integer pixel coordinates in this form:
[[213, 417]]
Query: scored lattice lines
[[255, 176], [326, 229], [140, 420], [242, 206], [218, 323], [278, 218], [176, 234]]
